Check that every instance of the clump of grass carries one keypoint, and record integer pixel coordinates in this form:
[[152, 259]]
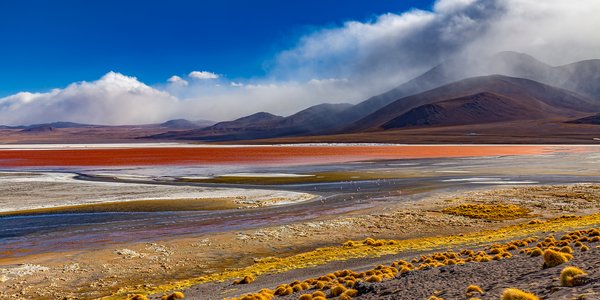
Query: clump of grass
[[488, 211], [584, 248], [174, 296], [284, 290], [374, 278], [318, 294], [473, 289], [516, 294], [568, 274], [305, 297], [246, 280], [338, 290], [554, 258], [566, 249], [137, 297], [349, 244]]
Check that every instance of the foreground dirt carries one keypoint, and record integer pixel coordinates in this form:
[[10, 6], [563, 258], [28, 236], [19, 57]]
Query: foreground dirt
[[211, 263], [522, 272]]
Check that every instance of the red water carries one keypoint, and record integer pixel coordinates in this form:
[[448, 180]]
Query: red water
[[254, 155]]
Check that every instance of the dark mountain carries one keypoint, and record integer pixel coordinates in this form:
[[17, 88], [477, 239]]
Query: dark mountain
[[59, 125], [186, 124], [581, 77], [479, 108], [257, 121], [522, 92], [593, 120], [11, 127], [39, 128], [312, 120]]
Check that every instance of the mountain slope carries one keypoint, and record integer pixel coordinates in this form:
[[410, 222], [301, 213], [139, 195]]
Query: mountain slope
[[581, 77], [592, 120], [312, 120], [257, 121], [473, 109], [548, 99]]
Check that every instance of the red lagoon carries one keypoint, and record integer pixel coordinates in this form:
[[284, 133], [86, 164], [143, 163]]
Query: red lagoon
[[296, 155]]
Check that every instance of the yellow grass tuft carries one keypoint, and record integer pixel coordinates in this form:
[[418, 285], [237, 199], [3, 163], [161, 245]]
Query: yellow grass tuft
[[137, 297], [566, 249], [338, 290], [567, 275], [554, 258], [374, 278], [472, 289], [488, 211], [516, 294], [318, 294], [246, 280], [174, 296], [305, 297]]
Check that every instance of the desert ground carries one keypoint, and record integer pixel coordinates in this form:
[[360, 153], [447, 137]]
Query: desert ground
[[113, 231]]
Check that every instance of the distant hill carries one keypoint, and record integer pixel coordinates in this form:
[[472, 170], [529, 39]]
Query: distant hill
[[535, 99], [186, 124], [479, 108], [594, 120], [39, 129], [312, 120], [581, 77]]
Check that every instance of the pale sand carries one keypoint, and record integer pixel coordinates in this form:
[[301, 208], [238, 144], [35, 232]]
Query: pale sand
[[25, 191]]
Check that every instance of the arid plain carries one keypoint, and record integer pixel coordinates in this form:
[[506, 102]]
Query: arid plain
[[113, 221]]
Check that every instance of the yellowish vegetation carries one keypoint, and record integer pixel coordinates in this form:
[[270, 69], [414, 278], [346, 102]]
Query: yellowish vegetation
[[567, 275], [368, 248], [554, 258], [488, 211], [246, 280], [174, 296], [473, 289], [516, 294]]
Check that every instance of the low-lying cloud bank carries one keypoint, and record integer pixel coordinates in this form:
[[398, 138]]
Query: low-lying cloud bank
[[344, 64]]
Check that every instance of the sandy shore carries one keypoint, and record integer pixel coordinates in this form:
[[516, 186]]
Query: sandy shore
[[29, 191]]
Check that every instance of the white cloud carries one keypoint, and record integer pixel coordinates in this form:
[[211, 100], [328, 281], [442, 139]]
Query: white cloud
[[203, 75], [348, 63], [177, 80], [113, 99]]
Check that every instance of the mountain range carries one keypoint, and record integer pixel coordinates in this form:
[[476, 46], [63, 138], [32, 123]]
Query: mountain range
[[507, 97]]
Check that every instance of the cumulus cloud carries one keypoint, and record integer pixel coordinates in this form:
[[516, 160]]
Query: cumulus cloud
[[348, 63], [202, 75], [177, 80], [113, 99]]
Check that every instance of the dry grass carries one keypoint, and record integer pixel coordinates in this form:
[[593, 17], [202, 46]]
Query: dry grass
[[363, 249], [554, 258], [488, 211], [473, 289], [174, 296], [568, 274], [516, 294]]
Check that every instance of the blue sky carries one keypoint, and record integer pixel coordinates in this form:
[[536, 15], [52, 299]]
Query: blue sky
[[141, 62], [49, 44]]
